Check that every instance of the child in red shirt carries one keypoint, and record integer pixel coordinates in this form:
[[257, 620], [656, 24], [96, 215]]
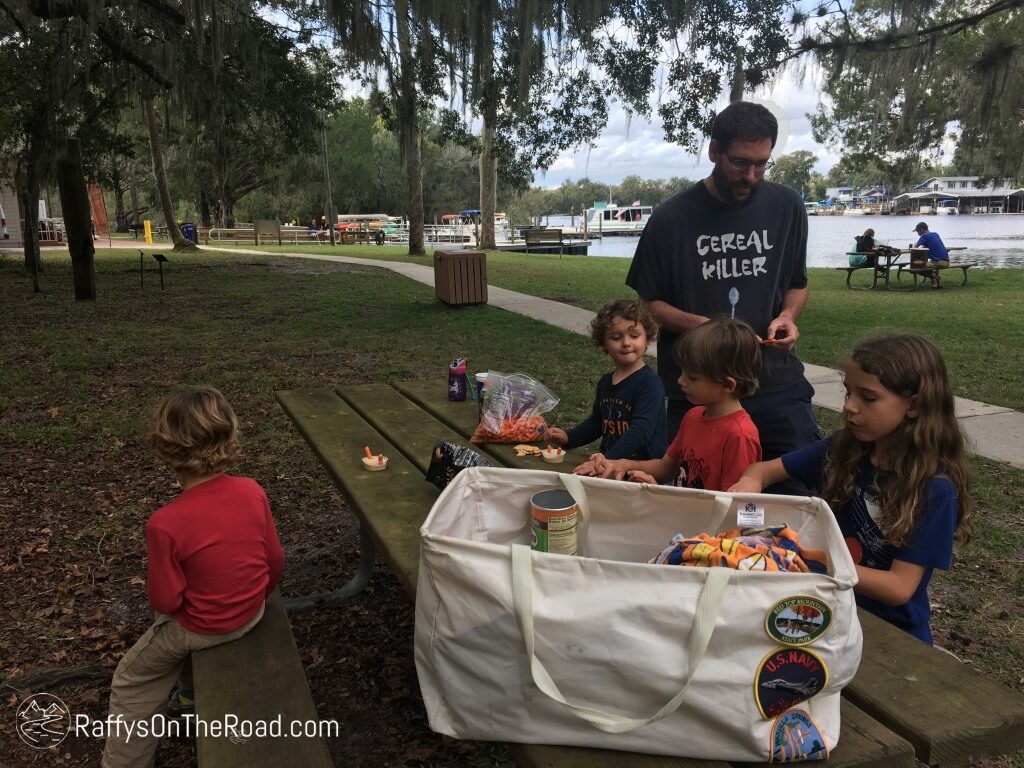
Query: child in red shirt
[[717, 440], [214, 557]]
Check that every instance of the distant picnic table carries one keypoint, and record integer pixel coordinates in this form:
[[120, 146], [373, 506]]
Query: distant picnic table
[[888, 261]]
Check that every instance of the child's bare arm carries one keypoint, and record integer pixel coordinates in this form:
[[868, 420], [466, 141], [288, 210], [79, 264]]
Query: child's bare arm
[[759, 475], [661, 469], [892, 587]]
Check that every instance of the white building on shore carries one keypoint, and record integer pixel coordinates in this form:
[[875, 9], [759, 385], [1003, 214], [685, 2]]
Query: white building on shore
[[960, 194]]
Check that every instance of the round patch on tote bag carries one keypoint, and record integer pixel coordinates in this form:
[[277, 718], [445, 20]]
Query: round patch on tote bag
[[786, 677], [798, 620], [795, 737]]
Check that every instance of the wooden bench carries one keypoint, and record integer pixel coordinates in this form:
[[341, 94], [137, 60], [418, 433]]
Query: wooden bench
[[907, 698], [925, 271], [885, 262], [258, 677], [877, 272], [544, 238]]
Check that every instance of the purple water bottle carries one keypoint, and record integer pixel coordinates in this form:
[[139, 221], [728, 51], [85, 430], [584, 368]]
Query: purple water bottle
[[457, 379]]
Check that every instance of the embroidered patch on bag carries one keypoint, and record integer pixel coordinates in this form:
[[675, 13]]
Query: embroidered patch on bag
[[798, 620], [795, 737], [786, 677]]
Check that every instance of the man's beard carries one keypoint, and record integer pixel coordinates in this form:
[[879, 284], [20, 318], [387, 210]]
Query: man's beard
[[726, 190]]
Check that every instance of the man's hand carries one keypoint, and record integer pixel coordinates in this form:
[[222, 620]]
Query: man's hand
[[782, 332], [639, 476]]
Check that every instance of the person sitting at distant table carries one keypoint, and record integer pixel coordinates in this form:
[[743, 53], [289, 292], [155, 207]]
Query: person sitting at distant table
[[938, 256], [865, 250]]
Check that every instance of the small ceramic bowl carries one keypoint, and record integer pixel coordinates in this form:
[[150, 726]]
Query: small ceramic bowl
[[552, 455], [372, 465]]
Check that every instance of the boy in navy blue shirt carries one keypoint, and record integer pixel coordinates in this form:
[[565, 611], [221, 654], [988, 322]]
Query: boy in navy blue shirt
[[629, 407]]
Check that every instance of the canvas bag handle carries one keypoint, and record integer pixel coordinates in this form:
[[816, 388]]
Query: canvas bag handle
[[711, 596]]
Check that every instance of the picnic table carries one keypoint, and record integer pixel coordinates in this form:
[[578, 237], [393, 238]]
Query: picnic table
[[908, 699], [889, 260]]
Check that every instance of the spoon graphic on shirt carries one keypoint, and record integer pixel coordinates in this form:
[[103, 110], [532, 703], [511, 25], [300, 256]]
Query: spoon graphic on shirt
[[734, 299]]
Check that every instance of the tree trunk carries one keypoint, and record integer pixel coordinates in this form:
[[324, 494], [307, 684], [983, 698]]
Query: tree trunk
[[179, 241], [204, 209], [120, 215], [488, 182], [74, 201], [26, 182], [409, 129], [133, 195], [739, 78], [489, 113]]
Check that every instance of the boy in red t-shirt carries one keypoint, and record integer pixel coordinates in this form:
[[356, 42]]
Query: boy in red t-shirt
[[717, 440], [214, 557]]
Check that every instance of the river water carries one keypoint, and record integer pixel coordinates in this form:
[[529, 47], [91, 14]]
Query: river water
[[994, 240]]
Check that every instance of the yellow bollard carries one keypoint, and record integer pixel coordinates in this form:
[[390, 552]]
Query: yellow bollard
[[147, 227]]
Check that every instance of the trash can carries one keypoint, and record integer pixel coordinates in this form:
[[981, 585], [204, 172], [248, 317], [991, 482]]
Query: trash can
[[460, 277], [188, 231]]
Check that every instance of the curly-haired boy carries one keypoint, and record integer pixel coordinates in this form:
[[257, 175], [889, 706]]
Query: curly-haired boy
[[629, 407], [214, 557]]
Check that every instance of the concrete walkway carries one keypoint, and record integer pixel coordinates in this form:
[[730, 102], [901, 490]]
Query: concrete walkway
[[993, 431]]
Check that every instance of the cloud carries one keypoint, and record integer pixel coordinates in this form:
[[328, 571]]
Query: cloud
[[636, 146]]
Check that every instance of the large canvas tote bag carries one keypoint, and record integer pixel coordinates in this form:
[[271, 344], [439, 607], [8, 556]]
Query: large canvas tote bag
[[605, 650]]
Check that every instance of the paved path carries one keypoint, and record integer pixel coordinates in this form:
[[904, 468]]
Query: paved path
[[995, 431]]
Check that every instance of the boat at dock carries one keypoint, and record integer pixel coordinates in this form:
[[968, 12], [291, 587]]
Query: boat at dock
[[611, 219]]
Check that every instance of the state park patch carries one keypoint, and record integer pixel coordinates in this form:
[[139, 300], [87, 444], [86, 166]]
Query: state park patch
[[798, 620]]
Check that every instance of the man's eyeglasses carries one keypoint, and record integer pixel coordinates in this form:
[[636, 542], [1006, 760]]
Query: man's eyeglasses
[[744, 165]]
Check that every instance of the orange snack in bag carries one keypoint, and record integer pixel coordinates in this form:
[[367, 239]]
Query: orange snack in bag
[[525, 429]]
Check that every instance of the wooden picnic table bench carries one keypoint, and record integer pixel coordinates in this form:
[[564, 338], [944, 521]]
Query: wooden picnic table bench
[[258, 677], [544, 238], [907, 698], [924, 273]]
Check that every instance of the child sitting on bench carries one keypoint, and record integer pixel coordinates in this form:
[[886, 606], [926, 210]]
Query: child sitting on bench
[[213, 558]]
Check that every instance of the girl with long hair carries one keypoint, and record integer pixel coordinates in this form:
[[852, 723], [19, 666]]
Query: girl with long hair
[[895, 474]]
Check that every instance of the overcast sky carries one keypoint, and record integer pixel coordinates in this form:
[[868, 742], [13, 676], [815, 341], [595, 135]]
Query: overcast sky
[[640, 149]]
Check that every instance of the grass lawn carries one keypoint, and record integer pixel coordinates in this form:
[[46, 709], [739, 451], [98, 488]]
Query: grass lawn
[[979, 327], [78, 381]]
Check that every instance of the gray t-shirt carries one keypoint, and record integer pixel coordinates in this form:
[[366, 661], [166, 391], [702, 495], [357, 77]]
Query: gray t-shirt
[[695, 249]]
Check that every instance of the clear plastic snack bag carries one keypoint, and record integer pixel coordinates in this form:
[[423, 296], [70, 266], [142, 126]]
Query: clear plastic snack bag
[[513, 409]]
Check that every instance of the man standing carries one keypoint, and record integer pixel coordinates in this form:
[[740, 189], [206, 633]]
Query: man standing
[[734, 244], [938, 256]]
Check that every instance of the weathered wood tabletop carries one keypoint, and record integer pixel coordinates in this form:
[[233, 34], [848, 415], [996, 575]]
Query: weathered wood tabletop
[[907, 699]]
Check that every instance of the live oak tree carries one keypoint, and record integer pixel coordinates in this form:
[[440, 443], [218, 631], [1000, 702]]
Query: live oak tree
[[794, 169], [905, 78], [78, 58]]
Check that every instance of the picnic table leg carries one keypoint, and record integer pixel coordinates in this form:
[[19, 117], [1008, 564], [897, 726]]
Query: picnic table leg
[[355, 585]]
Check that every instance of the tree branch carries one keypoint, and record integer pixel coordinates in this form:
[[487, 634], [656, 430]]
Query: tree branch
[[110, 39], [887, 41], [167, 11]]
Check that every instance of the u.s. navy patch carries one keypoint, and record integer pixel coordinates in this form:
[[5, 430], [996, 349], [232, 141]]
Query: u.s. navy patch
[[786, 677], [796, 737], [798, 620]]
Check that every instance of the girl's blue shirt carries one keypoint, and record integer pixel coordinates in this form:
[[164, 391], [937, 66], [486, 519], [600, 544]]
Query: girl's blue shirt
[[929, 543]]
